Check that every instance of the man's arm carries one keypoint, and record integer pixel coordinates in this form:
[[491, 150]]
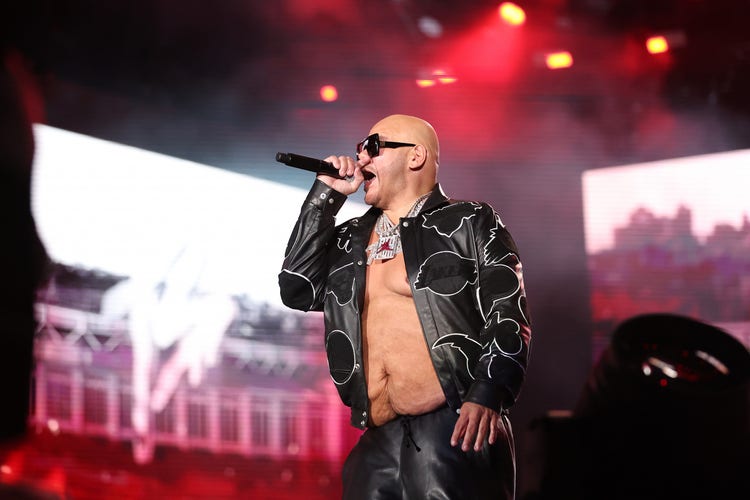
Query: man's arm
[[505, 336], [506, 333], [303, 275]]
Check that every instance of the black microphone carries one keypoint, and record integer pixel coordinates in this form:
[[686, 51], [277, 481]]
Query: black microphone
[[309, 164]]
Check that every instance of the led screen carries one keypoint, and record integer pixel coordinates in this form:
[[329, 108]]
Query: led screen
[[165, 362], [670, 236]]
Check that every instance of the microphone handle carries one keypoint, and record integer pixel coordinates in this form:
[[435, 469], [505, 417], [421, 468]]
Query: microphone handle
[[309, 164]]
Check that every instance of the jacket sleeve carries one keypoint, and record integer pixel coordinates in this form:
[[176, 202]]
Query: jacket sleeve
[[501, 299], [302, 279]]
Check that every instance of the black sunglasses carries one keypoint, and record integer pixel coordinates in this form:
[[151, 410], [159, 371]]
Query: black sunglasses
[[372, 145]]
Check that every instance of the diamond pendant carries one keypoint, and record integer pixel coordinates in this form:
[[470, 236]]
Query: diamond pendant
[[387, 247]]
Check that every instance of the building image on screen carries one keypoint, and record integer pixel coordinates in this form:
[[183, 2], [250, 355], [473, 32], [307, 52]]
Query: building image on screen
[[671, 236], [161, 332]]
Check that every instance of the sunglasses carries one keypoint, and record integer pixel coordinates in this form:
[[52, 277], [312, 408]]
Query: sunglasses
[[372, 145]]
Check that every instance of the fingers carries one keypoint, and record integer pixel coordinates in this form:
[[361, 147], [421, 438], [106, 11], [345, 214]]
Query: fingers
[[482, 431], [494, 426], [475, 426], [347, 167], [468, 431], [458, 431], [477, 431]]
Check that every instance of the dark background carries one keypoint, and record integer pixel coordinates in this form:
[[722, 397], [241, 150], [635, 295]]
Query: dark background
[[229, 83]]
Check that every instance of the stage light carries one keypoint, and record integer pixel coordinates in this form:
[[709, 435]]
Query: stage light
[[558, 60], [426, 82], [54, 426], [657, 45], [436, 76], [329, 93], [667, 41], [512, 14], [430, 27], [446, 80], [443, 77]]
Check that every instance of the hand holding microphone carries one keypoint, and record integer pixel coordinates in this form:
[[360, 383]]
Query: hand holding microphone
[[311, 165], [343, 184]]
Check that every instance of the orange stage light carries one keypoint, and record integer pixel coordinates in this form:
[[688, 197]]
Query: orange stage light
[[558, 60], [329, 93], [445, 80], [437, 76], [657, 45], [443, 77], [512, 14], [426, 82]]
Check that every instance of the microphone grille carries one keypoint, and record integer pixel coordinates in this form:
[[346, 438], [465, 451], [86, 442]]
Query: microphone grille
[[282, 157]]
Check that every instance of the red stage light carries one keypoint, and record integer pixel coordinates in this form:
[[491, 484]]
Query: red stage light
[[329, 93], [558, 60], [512, 14], [657, 45]]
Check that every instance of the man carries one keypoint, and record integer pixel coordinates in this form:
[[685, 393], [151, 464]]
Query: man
[[427, 333]]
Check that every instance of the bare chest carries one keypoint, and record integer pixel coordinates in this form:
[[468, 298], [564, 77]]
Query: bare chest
[[387, 276]]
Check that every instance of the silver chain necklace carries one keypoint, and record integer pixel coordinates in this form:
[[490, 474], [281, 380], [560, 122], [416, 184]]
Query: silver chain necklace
[[388, 243]]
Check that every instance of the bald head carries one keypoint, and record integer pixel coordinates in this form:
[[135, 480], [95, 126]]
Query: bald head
[[406, 128], [398, 175]]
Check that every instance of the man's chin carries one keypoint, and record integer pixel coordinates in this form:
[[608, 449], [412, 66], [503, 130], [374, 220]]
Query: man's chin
[[369, 197]]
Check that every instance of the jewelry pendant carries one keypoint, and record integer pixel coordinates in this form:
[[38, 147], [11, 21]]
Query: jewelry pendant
[[387, 247]]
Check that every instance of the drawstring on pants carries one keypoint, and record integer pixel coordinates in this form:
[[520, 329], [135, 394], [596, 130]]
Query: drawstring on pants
[[406, 425]]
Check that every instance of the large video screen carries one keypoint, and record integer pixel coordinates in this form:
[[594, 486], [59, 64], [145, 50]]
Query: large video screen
[[670, 236], [166, 365]]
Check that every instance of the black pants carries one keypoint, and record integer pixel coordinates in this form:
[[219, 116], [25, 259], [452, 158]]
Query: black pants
[[412, 458]]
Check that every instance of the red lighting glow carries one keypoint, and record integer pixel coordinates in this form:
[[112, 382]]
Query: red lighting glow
[[329, 93], [657, 45], [558, 60], [485, 52], [512, 14]]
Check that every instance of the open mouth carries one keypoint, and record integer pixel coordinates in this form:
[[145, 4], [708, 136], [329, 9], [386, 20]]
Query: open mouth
[[368, 175]]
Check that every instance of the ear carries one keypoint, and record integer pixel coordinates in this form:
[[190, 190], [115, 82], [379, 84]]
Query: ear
[[417, 157]]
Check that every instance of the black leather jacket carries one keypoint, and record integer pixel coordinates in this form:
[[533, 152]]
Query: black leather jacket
[[466, 281]]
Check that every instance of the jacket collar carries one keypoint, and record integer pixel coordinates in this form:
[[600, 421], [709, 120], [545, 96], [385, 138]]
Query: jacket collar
[[437, 197]]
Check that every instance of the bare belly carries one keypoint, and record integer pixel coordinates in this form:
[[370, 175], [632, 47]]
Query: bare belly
[[400, 376]]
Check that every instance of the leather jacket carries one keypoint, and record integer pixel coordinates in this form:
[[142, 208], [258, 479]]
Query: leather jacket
[[466, 280]]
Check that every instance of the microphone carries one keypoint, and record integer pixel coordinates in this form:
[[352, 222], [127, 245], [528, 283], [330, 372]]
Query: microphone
[[309, 164]]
